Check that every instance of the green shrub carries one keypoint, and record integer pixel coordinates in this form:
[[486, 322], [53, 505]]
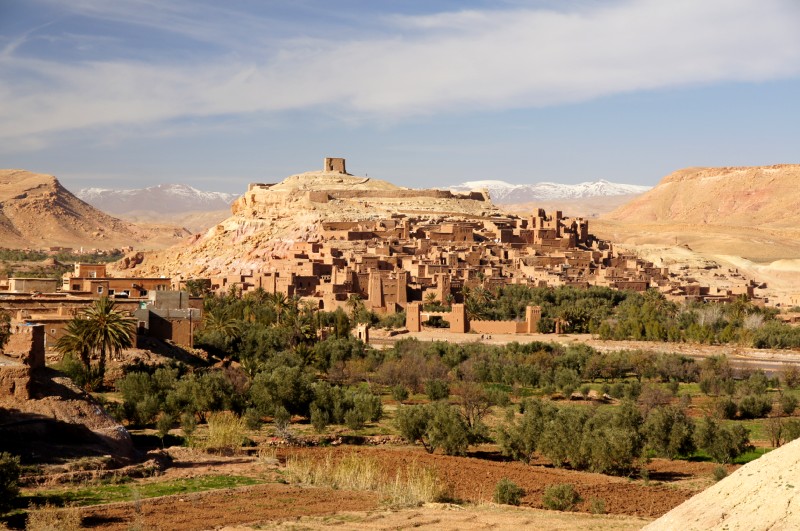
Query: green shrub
[[719, 473], [508, 492], [726, 408], [561, 497], [788, 404], [754, 406], [447, 429], [722, 443], [669, 432], [437, 389], [597, 506], [9, 480], [412, 423], [400, 393]]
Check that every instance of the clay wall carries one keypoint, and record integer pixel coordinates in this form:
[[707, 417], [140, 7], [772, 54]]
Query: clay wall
[[497, 327], [26, 345], [15, 381], [27, 285], [413, 323]]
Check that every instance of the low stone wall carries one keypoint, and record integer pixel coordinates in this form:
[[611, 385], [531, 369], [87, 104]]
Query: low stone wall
[[497, 327]]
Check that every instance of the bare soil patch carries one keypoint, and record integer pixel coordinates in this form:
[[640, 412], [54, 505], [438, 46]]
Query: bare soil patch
[[215, 509], [473, 479]]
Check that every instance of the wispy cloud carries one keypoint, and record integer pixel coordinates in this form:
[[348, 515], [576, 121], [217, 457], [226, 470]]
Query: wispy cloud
[[448, 62]]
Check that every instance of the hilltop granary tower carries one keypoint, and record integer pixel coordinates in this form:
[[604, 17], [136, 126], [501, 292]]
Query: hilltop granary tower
[[335, 165]]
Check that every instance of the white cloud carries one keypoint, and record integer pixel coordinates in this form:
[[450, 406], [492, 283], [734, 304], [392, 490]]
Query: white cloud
[[450, 62]]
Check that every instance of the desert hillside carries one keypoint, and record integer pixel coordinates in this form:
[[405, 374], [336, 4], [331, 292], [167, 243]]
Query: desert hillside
[[748, 212], [37, 211]]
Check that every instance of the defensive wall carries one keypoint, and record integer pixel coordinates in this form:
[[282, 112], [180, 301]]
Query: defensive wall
[[461, 324]]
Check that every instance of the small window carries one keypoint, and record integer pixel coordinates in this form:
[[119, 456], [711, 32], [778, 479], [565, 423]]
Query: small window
[[76, 287], [110, 291], [143, 293], [99, 289]]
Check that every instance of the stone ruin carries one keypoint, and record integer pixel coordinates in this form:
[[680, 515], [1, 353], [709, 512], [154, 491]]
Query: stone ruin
[[23, 353], [335, 165]]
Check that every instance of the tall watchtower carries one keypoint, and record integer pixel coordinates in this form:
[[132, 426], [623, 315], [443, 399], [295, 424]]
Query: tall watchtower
[[335, 165]]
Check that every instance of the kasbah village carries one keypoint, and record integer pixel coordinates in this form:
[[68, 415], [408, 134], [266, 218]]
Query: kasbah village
[[327, 240]]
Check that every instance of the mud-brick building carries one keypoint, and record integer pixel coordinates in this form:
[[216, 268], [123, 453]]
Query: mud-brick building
[[93, 279], [172, 316]]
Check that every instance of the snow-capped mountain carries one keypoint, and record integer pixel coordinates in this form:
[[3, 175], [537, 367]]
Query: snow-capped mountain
[[164, 198], [502, 192]]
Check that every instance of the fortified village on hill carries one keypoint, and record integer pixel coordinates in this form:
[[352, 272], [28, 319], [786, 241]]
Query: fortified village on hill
[[428, 245], [391, 264]]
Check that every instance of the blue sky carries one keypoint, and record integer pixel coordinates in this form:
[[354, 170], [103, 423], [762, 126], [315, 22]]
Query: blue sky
[[129, 93]]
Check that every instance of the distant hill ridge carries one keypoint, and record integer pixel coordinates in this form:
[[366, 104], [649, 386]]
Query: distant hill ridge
[[503, 192], [36, 211], [163, 198], [757, 196]]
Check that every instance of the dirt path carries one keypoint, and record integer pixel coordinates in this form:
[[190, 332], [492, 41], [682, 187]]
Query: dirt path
[[457, 518], [771, 360]]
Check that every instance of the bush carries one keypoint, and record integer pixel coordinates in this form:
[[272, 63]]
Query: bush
[[225, 433], [87, 378], [788, 404], [754, 406], [719, 473], [561, 497], [669, 432], [722, 443], [9, 480], [447, 429], [726, 408], [400, 392], [597, 506], [508, 492], [437, 389]]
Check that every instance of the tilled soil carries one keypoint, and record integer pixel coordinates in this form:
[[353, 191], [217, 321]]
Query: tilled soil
[[473, 479], [470, 479], [219, 508]]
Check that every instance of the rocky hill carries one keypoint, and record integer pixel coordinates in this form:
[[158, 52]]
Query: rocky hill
[[747, 212], [36, 211], [762, 196], [268, 218]]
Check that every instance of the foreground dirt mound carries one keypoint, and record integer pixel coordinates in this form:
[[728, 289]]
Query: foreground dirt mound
[[37, 211], [760, 495], [60, 421]]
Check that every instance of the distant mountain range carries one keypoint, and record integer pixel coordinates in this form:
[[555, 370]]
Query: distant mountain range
[[502, 192], [164, 198], [36, 212]]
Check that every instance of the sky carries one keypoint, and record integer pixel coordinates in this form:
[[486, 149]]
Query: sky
[[423, 93]]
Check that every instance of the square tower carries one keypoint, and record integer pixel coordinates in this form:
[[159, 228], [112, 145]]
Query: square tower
[[335, 165]]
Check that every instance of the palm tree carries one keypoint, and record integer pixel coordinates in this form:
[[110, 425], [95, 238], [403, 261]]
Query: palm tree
[[355, 304], [217, 321], [280, 303], [76, 340], [108, 330]]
